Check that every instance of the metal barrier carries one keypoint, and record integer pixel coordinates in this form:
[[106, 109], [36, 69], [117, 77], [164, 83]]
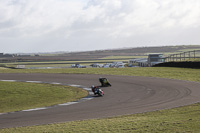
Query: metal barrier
[[183, 56]]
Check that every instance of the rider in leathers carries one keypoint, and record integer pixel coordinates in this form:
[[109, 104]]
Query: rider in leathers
[[94, 88]]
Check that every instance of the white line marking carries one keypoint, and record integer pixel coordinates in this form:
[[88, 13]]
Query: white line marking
[[90, 98], [33, 81], [91, 93], [34, 109], [55, 83], [69, 103], [9, 80], [88, 89], [75, 85]]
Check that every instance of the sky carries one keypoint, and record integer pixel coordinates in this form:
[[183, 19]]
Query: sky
[[31, 26]]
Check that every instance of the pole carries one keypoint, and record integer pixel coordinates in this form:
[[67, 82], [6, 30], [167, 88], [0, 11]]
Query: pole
[[184, 55], [189, 55]]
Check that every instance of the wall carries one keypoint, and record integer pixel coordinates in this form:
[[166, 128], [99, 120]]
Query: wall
[[185, 64]]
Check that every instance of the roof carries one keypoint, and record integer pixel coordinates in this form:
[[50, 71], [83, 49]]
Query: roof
[[138, 59], [156, 54]]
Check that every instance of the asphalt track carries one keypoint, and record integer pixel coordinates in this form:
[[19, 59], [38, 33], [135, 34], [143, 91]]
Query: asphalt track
[[128, 95]]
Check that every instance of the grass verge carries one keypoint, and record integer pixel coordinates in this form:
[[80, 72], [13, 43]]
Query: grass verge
[[15, 96], [3, 68]]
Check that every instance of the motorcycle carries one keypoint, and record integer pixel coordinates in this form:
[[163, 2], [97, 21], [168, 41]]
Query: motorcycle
[[97, 91], [104, 82]]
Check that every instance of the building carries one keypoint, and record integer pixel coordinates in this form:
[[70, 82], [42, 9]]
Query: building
[[142, 62], [150, 61], [155, 59], [137, 60]]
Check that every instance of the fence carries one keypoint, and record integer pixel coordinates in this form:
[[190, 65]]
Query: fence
[[195, 54]]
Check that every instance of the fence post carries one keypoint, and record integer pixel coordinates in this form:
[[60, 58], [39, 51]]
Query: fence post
[[189, 55], [176, 57], [172, 58], [184, 55]]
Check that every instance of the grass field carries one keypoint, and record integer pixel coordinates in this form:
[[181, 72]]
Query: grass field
[[16, 96], [2, 68], [197, 59], [183, 119]]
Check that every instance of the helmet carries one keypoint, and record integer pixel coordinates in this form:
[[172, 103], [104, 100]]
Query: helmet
[[92, 86]]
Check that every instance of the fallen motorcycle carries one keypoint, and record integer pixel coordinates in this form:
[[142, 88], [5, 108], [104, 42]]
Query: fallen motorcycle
[[104, 82]]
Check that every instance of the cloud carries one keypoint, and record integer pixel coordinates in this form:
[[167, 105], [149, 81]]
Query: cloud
[[35, 17], [107, 23]]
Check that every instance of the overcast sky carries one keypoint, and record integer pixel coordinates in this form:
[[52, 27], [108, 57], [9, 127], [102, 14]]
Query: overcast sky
[[77, 25]]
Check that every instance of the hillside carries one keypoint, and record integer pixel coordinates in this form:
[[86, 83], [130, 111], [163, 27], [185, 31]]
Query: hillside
[[98, 54], [138, 51]]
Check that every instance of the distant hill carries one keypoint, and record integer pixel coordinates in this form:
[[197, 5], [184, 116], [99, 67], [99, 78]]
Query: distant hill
[[137, 51], [91, 55]]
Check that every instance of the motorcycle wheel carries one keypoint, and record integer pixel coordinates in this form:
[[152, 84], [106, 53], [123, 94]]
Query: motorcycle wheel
[[100, 94]]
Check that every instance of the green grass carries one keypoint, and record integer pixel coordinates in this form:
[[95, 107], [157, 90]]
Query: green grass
[[186, 50], [15, 96], [197, 59], [197, 53], [2, 68]]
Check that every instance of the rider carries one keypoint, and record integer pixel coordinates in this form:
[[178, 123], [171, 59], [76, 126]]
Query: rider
[[94, 88], [104, 82]]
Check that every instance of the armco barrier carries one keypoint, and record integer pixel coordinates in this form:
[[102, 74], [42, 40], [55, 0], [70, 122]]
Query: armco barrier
[[185, 64]]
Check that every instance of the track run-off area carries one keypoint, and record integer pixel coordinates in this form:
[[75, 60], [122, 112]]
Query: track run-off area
[[127, 95]]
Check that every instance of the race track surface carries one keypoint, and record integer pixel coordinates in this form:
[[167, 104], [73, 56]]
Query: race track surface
[[128, 95]]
